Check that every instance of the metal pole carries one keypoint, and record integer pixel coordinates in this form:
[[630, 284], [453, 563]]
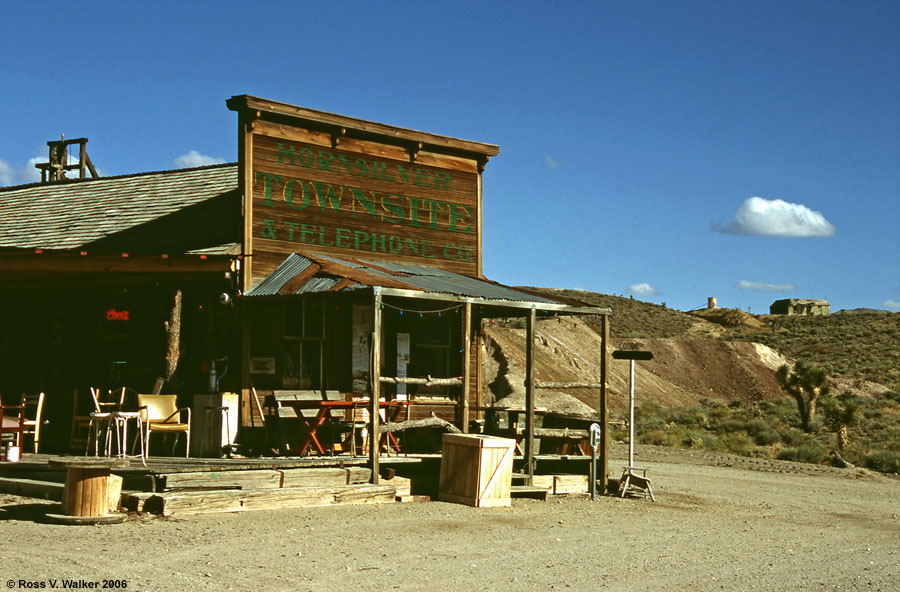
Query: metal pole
[[631, 419]]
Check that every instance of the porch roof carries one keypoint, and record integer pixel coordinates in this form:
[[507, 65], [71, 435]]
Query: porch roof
[[314, 273]]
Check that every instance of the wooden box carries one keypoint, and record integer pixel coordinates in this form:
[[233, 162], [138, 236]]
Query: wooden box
[[476, 470]]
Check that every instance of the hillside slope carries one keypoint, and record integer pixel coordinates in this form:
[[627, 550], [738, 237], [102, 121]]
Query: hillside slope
[[855, 345], [682, 372]]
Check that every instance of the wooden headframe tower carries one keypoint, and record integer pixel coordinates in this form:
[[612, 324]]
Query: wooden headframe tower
[[58, 162]]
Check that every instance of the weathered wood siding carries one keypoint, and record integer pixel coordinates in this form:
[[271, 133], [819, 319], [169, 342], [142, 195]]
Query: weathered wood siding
[[360, 199]]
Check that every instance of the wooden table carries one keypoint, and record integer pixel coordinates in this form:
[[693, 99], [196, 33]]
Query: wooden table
[[86, 497], [310, 426]]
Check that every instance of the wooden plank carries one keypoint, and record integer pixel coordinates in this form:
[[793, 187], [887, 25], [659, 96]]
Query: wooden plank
[[326, 477], [568, 484], [113, 493], [181, 503], [269, 479], [32, 488], [256, 479]]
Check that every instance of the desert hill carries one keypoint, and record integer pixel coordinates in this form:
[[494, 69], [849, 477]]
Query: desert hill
[[718, 354], [682, 372]]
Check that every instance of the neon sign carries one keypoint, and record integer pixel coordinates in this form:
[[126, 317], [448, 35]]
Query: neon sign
[[117, 314]]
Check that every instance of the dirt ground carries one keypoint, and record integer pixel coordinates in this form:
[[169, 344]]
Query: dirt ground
[[719, 523]]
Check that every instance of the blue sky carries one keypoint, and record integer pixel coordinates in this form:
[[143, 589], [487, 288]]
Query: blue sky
[[669, 150]]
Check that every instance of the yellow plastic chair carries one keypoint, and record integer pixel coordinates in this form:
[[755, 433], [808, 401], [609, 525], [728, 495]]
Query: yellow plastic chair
[[160, 413]]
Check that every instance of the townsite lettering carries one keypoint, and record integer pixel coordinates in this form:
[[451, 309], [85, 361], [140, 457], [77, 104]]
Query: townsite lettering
[[302, 195]]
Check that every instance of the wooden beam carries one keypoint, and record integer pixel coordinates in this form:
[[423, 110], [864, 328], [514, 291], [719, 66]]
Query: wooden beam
[[245, 179], [204, 502], [604, 408], [529, 395], [466, 366], [375, 375], [358, 127], [118, 264], [567, 385]]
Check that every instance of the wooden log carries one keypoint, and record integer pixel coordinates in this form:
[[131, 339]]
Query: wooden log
[[564, 433], [564, 385], [173, 336], [428, 422], [429, 381]]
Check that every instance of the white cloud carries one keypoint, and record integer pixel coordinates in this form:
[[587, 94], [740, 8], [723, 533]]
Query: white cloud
[[31, 174], [764, 286], [893, 305], [9, 175], [776, 217], [552, 162], [642, 289], [6, 173], [195, 159]]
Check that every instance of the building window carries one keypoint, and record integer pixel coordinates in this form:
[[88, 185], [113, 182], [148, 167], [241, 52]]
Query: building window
[[302, 360]]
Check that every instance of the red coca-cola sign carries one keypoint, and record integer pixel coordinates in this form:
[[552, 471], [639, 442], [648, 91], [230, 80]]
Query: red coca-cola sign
[[117, 314]]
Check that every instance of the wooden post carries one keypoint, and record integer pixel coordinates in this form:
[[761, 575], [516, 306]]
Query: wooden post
[[173, 336], [466, 365], [82, 158], [604, 411], [375, 376], [245, 409], [529, 395]]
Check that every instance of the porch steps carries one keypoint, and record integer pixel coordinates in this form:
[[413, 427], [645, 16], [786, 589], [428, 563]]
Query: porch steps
[[178, 503], [48, 490]]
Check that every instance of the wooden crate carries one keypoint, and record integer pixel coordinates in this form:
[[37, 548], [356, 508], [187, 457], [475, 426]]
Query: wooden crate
[[476, 470]]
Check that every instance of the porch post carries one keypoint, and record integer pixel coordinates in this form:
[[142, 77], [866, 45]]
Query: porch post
[[375, 373], [604, 410], [529, 395], [466, 365]]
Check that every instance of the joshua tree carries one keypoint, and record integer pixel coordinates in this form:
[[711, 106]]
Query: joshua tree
[[806, 384], [840, 414]]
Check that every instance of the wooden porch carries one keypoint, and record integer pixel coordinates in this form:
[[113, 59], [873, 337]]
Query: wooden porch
[[170, 486]]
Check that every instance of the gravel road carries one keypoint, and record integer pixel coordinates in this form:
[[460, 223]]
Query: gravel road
[[774, 526]]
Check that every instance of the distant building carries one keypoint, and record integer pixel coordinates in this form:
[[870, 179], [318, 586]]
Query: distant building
[[800, 306]]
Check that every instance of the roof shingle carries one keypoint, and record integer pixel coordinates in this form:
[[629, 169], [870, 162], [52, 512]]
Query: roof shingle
[[72, 214]]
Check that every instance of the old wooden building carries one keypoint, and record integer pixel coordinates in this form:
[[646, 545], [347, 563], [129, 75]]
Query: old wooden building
[[336, 254], [800, 306]]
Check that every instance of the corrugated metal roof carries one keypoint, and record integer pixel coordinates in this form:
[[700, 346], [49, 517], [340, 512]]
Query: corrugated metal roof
[[71, 214], [433, 279], [289, 268], [318, 284], [413, 277]]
